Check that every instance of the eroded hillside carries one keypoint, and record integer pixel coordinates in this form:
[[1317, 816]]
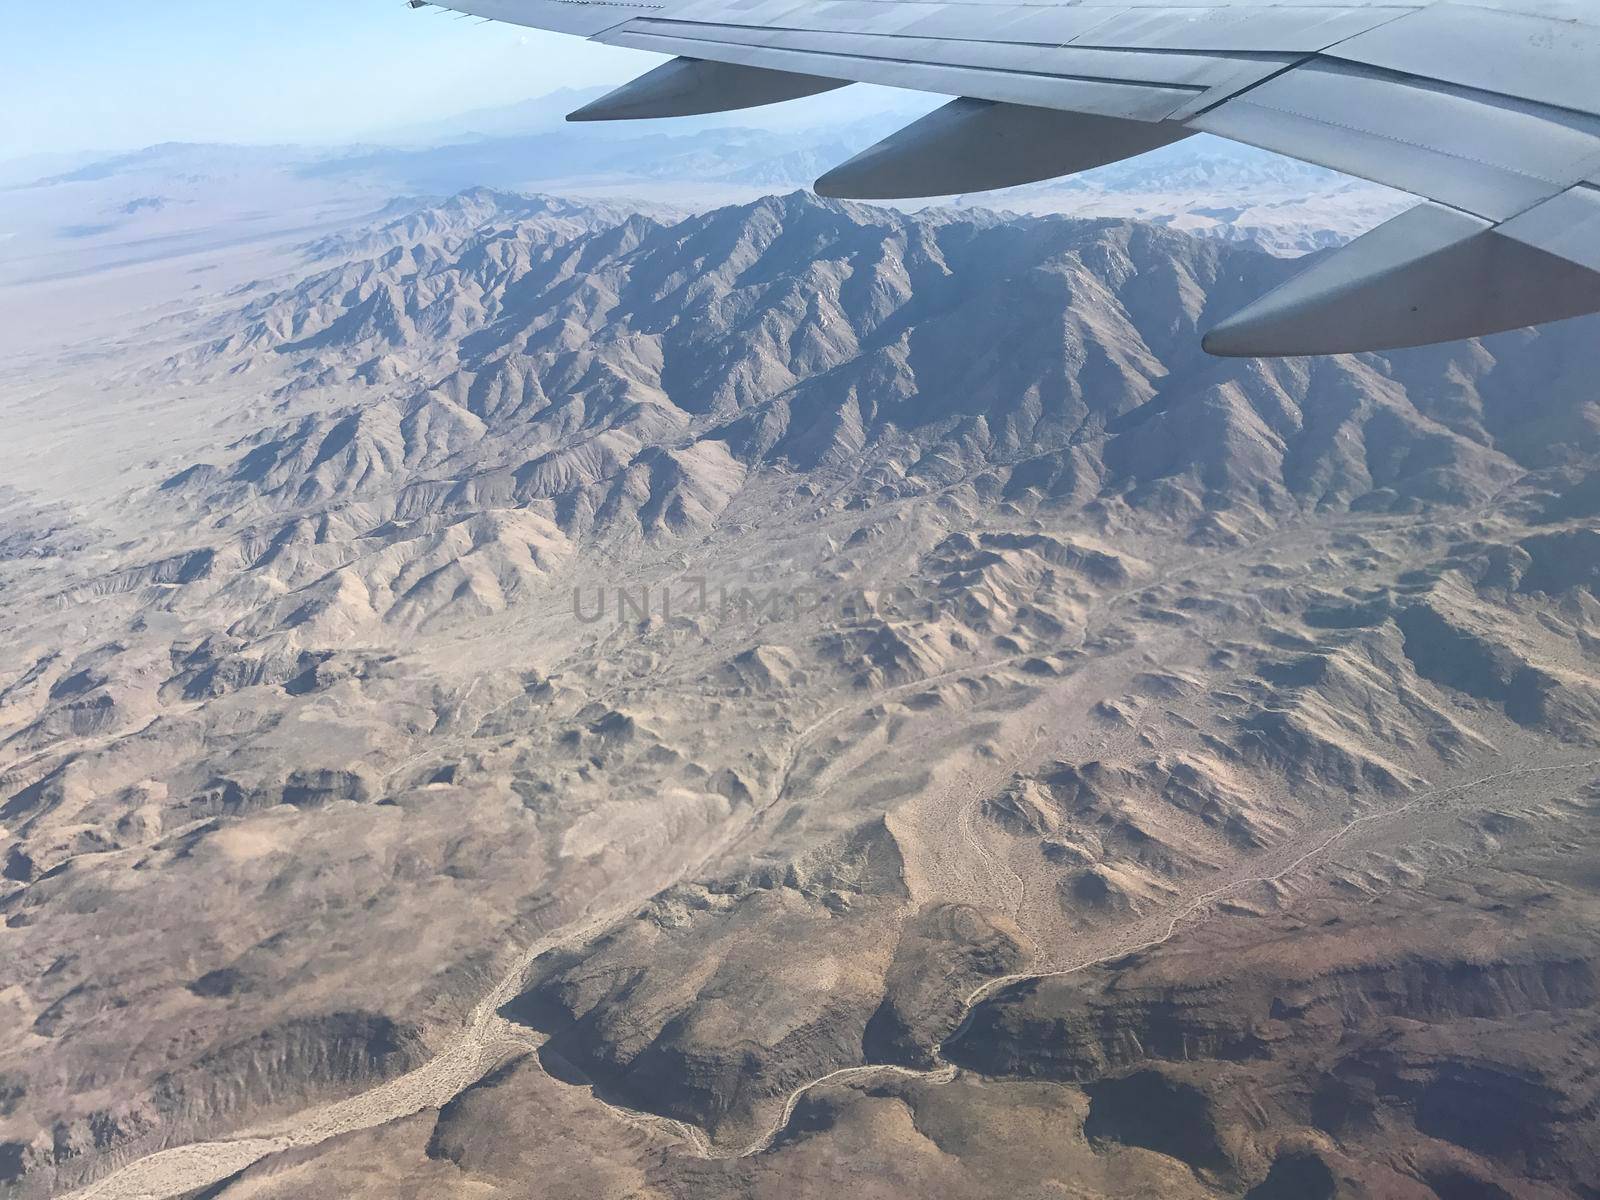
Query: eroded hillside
[[799, 696]]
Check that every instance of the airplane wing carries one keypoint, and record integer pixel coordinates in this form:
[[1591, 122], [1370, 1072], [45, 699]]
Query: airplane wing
[[1489, 110]]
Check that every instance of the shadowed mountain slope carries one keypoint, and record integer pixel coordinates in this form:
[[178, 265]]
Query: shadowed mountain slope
[[796, 695]]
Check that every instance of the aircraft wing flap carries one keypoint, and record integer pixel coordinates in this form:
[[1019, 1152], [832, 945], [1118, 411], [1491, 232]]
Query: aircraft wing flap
[[1168, 69], [1483, 154], [1021, 80], [1274, 29]]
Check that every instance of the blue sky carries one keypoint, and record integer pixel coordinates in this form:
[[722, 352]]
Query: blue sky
[[116, 74]]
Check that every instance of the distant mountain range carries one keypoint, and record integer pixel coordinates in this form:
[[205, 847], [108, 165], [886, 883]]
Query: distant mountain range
[[88, 214], [532, 350]]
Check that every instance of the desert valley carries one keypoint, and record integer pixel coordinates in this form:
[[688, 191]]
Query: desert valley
[[517, 695]]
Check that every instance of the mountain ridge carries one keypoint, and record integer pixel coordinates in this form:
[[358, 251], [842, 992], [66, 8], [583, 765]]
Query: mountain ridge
[[666, 674]]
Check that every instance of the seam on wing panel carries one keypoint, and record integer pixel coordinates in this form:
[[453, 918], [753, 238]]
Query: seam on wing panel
[[1179, 89], [645, 24], [1403, 141], [1581, 185], [1399, 16], [1241, 93]]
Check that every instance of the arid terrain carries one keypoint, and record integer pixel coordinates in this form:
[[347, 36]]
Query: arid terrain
[[535, 697]]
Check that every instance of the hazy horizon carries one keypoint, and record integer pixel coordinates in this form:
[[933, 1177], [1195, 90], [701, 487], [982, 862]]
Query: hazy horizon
[[296, 71]]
